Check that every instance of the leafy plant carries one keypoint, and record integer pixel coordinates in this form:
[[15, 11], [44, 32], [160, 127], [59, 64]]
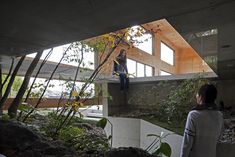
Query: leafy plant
[[5, 117], [69, 134], [83, 140], [181, 100], [163, 148], [102, 123]]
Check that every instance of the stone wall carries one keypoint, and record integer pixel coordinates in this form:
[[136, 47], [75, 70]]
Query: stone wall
[[147, 95]]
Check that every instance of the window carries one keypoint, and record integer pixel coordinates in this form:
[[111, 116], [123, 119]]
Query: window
[[207, 33], [137, 69], [140, 70], [144, 41], [131, 66], [148, 70], [167, 54], [163, 73]]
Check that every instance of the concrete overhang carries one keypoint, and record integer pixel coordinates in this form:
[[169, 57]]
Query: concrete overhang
[[64, 71], [28, 26]]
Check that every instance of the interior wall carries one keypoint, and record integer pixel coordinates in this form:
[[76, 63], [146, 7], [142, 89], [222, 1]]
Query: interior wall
[[186, 60], [189, 61]]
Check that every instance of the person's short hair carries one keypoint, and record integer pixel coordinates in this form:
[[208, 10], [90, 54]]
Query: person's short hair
[[208, 93]]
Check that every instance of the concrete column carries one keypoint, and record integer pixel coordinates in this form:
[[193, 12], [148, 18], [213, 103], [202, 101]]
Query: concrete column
[[105, 99]]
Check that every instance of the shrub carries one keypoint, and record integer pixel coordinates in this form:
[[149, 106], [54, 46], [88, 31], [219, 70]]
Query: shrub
[[181, 100]]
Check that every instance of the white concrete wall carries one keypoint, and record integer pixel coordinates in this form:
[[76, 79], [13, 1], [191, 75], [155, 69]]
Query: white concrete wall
[[129, 132], [148, 128], [126, 132]]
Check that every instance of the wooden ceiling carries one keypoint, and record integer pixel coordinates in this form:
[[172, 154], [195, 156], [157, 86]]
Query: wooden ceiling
[[164, 28]]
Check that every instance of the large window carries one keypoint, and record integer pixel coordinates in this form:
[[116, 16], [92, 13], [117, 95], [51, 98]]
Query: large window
[[141, 39], [137, 69], [167, 54]]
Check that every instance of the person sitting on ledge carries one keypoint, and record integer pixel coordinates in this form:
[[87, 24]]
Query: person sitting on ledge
[[120, 69]]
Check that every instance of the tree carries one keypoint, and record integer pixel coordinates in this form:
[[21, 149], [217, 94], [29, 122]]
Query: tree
[[37, 73], [47, 84], [6, 78], [0, 85], [4, 98], [18, 99]]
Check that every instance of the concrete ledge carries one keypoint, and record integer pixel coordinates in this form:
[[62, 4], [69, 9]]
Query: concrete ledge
[[115, 79]]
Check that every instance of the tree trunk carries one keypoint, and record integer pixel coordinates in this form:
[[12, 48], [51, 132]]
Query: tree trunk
[[8, 89], [48, 81], [0, 86], [18, 99], [0, 82], [8, 75], [35, 77]]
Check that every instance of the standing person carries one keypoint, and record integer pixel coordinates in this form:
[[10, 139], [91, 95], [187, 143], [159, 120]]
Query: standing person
[[204, 125], [120, 69]]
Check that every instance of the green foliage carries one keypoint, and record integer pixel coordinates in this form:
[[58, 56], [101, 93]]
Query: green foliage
[[102, 123], [70, 134], [37, 90], [83, 140], [25, 107], [181, 100], [5, 117], [15, 86], [163, 148], [17, 83], [49, 129], [90, 142]]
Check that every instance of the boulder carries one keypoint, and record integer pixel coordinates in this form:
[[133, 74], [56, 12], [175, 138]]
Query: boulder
[[16, 140]]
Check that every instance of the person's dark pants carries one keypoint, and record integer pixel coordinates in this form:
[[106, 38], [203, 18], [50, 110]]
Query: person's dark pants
[[124, 81]]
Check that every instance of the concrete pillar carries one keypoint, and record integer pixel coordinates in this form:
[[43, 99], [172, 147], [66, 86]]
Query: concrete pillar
[[105, 99]]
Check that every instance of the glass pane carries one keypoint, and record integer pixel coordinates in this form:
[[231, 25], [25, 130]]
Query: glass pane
[[148, 71], [167, 54], [140, 70], [88, 60], [145, 43], [143, 40], [131, 66], [163, 73]]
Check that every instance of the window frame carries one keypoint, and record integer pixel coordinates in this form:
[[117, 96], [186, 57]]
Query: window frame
[[162, 42], [136, 68]]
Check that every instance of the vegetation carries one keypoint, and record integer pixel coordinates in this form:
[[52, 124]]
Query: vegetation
[[62, 124], [80, 134], [181, 100], [160, 148], [172, 107]]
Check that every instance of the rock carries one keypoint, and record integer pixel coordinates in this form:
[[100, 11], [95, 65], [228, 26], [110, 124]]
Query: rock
[[128, 152], [16, 140], [83, 126], [228, 135], [118, 152]]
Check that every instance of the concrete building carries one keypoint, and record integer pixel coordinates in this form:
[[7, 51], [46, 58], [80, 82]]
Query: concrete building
[[202, 29]]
